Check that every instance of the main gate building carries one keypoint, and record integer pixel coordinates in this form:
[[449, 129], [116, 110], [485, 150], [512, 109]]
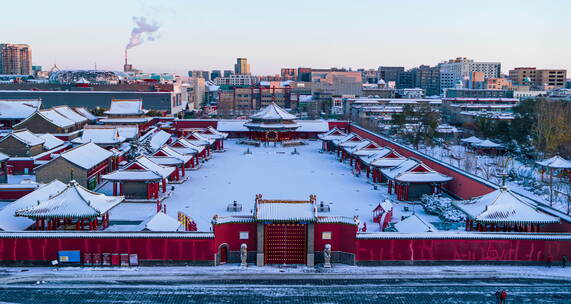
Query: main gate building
[[284, 232]]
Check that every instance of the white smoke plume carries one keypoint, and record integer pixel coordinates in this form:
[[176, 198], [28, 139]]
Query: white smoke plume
[[142, 30]]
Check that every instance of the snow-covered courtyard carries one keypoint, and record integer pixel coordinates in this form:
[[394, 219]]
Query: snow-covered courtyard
[[291, 173]]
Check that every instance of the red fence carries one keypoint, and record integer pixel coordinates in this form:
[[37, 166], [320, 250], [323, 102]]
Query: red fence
[[513, 248], [148, 246]]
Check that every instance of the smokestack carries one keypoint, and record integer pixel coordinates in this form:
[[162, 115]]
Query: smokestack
[[125, 57]]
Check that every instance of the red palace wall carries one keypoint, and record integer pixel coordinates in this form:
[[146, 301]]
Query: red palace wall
[[194, 123], [45, 247], [230, 234], [342, 237], [521, 250], [8, 193], [462, 186]]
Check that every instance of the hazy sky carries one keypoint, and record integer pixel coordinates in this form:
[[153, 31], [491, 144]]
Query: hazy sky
[[274, 34]]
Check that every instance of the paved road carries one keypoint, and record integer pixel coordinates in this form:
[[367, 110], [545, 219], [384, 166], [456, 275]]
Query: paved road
[[439, 291]]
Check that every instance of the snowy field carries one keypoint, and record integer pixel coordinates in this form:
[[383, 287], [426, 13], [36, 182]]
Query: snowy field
[[275, 173]]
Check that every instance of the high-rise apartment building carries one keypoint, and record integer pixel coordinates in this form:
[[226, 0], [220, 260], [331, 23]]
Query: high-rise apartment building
[[242, 67], [538, 77], [388, 74], [15, 59], [427, 78], [460, 69]]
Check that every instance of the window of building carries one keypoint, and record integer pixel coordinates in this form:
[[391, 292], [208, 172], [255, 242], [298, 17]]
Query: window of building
[[244, 235], [326, 235]]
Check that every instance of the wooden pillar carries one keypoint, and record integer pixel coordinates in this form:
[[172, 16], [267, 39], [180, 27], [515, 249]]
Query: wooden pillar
[[164, 185], [148, 190], [114, 189], [120, 188]]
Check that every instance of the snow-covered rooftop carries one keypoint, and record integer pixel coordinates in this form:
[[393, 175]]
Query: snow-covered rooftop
[[50, 141], [85, 113], [163, 222], [87, 155], [487, 144], [126, 107], [471, 140], [26, 137], [8, 219], [158, 139], [414, 224], [18, 109], [129, 131], [100, 135], [70, 114], [74, 201], [56, 118], [332, 134], [504, 206], [556, 162], [273, 112], [414, 171], [283, 210]]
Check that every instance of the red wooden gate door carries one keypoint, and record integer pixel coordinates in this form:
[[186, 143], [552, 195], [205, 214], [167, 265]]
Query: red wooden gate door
[[285, 243]]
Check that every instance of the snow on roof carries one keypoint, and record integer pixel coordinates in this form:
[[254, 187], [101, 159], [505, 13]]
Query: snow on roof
[[163, 171], [347, 137], [87, 155], [85, 113], [70, 114], [129, 132], [486, 144], [187, 144], [163, 222], [336, 220], [232, 219], [504, 206], [8, 219], [413, 224], [444, 128], [166, 160], [471, 140], [132, 175], [132, 120], [198, 139], [3, 156], [158, 139], [212, 133], [51, 141], [126, 107], [100, 135], [284, 210], [273, 112], [332, 134], [26, 137], [56, 118], [18, 109], [173, 153], [74, 201], [404, 172], [269, 125], [556, 162]]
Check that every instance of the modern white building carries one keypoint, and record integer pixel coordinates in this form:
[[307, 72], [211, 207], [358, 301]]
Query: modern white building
[[236, 80]]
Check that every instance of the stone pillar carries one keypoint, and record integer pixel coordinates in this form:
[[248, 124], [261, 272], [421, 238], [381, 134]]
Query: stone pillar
[[310, 245], [260, 245]]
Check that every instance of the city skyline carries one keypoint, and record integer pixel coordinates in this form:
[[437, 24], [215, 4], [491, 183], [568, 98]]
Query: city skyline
[[318, 34]]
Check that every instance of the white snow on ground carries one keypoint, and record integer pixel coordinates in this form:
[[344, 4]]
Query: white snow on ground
[[275, 173], [15, 275]]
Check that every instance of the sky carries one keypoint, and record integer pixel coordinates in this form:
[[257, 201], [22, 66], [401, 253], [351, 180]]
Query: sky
[[206, 35]]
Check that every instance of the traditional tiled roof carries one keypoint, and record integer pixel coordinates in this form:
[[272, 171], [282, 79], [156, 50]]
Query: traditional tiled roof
[[504, 206], [273, 112], [158, 139], [212, 133], [285, 210], [56, 118], [187, 144], [556, 162], [408, 171], [74, 201], [163, 222], [87, 155], [487, 144], [471, 140], [18, 109], [85, 113], [26, 137], [198, 139], [70, 114], [171, 152], [100, 135], [414, 224], [332, 134], [50, 141], [8, 219], [132, 175], [126, 107]]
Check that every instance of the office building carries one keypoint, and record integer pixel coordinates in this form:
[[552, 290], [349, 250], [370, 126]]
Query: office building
[[15, 59], [242, 67], [427, 78], [461, 68], [215, 74], [532, 76]]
